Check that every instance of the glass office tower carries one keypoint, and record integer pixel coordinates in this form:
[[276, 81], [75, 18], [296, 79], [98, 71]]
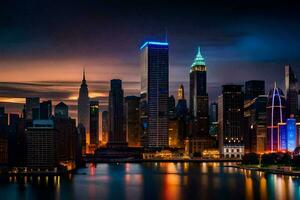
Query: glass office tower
[[154, 94]]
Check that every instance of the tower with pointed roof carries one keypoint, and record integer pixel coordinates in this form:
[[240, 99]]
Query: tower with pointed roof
[[83, 108], [198, 96]]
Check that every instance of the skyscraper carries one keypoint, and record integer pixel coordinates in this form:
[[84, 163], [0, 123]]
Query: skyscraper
[[132, 120], [154, 94], [291, 91], [105, 126], [84, 105], [199, 97], [253, 89], [276, 113], [41, 145], [180, 92], [255, 124], [61, 110], [45, 109], [117, 135], [94, 123], [32, 108], [230, 114], [182, 115], [66, 140]]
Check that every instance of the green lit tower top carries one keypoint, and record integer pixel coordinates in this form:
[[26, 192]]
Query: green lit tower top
[[199, 62]]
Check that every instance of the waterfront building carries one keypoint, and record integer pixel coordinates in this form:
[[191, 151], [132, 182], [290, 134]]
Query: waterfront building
[[94, 124], [154, 94], [61, 110], [276, 113], [132, 120], [41, 145], [117, 135], [230, 116], [32, 108], [105, 126], [253, 89], [255, 124], [83, 112], [45, 109], [195, 147], [198, 97], [291, 91]]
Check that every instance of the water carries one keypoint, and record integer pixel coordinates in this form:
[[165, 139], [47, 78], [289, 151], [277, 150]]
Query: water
[[154, 181]]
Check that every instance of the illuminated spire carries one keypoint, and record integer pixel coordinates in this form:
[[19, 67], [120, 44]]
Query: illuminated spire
[[199, 60], [83, 73], [83, 77]]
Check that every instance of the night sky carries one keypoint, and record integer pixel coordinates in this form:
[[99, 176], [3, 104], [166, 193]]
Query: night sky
[[44, 45]]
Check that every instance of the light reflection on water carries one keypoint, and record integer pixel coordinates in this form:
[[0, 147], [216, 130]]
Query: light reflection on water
[[154, 181]]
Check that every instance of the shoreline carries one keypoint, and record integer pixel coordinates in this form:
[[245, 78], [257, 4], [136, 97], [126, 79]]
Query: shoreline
[[267, 170]]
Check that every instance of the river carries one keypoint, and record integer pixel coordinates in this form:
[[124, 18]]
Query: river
[[172, 181]]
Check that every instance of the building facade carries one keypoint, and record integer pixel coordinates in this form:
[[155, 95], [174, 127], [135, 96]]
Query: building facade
[[231, 115], [154, 94], [41, 145], [117, 134], [132, 120]]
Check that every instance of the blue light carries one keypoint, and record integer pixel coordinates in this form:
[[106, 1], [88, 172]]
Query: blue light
[[291, 134], [154, 43]]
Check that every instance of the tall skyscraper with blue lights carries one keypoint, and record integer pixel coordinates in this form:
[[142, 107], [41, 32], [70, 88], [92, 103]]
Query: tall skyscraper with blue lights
[[154, 94]]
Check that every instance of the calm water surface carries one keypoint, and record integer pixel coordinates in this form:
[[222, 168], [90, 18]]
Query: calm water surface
[[154, 181]]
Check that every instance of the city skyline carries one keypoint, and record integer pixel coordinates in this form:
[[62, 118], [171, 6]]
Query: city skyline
[[226, 46]]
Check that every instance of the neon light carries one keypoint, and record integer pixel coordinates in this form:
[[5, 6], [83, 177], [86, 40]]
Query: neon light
[[199, 60], [154, 43], [276, 94]]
